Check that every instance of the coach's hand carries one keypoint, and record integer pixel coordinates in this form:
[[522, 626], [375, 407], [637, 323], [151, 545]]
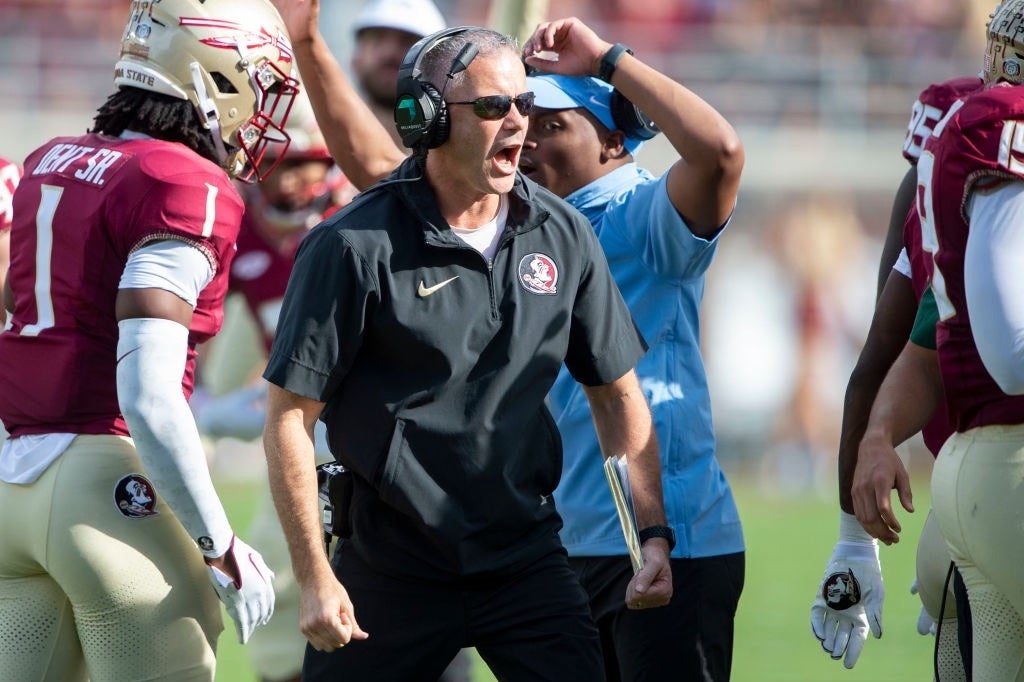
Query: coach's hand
[[652, 584], [243, 582], [849, 598]]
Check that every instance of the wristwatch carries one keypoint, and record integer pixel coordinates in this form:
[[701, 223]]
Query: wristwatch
[[659, 532], [610, 60]]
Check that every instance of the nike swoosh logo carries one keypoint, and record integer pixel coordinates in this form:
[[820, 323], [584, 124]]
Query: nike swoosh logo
[[425, 291]]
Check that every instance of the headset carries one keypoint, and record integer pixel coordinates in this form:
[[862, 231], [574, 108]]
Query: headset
[[421, 115], [630, 120], [627, 116]]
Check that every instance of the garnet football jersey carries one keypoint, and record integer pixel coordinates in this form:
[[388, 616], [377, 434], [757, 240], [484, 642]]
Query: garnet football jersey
[[931, 105], [928, 110], [84, 204], [981, 141]]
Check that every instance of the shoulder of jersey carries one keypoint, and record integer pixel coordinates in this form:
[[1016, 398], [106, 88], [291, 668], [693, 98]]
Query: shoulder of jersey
[[941, 95], [997, 103], [161, 159]]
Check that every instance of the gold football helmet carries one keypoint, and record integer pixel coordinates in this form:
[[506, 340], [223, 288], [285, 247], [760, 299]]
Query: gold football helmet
[[231, 58], [1004, 51]]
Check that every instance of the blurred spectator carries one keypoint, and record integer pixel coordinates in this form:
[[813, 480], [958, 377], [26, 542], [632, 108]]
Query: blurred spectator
[[831, 263]]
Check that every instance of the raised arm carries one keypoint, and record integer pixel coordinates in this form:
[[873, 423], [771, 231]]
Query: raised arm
[[704, 182], [360, 145]]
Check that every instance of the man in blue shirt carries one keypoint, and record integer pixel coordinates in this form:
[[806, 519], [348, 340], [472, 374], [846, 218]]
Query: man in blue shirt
[[659, 235]]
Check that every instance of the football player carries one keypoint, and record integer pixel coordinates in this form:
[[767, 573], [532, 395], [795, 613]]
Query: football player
[[111, 531], [305, 187], [971, 214], [904, 272], [971, 205]]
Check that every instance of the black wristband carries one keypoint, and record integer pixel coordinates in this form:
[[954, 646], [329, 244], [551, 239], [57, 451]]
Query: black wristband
[[659, 532], [610, 60]]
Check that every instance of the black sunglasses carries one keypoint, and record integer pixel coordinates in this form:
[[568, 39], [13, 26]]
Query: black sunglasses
[[493, 107]]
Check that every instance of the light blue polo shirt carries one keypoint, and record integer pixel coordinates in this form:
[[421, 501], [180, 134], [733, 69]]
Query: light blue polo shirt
[[659, 266]]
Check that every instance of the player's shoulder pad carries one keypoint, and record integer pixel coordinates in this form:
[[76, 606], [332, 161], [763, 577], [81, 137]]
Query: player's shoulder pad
[[164, 161], [995, 104], [943, 94]]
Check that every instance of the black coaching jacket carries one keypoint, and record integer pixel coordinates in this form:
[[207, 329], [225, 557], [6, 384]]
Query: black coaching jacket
[[434, 365]]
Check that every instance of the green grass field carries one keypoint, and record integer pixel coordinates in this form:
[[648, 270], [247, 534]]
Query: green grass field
[[788, 543]]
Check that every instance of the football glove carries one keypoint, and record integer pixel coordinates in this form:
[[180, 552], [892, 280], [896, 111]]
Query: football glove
[[849, 598], [250, 599], [925, 622]]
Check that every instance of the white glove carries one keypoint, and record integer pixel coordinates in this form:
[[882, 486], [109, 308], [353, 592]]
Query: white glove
[[250, 601], [925, 622], [849, 599]]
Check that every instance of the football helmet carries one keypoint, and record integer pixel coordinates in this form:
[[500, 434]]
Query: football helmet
[[306, 142], [295, 196], [1004, 50], [231, 59]]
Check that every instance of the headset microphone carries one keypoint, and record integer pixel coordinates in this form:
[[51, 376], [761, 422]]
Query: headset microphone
[[459, 64]]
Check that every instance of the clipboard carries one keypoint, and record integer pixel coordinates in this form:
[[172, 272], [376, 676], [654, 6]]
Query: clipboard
[[617, 473]]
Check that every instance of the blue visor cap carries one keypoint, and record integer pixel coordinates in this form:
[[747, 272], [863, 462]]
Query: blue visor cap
[[554, 91]]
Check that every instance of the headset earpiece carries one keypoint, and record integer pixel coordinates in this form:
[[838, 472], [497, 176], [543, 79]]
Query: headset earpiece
[[630, 120], [436, 134], [421, 116]]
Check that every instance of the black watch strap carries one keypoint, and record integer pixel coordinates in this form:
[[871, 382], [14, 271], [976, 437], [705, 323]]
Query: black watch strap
[[610, 60], [659, 532]]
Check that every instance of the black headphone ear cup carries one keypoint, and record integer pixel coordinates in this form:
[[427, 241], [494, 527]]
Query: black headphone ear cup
[[630, 120], [435, 129]]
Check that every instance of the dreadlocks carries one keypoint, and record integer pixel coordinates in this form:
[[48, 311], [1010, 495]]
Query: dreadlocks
[[159, 116]]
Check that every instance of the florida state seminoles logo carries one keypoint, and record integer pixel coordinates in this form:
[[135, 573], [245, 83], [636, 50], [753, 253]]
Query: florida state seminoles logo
[[538, 274], [134, 497], [841, 590]]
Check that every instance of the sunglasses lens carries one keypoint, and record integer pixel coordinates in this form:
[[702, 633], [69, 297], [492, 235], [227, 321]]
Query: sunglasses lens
[[524, 103], [492, 107]]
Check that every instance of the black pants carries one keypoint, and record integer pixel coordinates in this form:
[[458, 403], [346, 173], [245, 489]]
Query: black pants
[[533, 626], [690, 639]]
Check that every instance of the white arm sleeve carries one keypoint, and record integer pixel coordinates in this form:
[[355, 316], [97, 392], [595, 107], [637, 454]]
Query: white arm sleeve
[[993, 282], [172, 265], [151, 362]]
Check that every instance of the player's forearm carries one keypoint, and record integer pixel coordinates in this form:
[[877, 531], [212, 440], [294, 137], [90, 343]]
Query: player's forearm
[[907, 398], [360, 145], [291, 468], [890, 328], [623, 423], [151, 363]]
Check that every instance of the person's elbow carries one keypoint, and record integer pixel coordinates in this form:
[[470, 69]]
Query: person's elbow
[[732, 154]]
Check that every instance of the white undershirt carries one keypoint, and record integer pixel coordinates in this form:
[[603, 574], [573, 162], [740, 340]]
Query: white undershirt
[[486, 237], [171, 265], [994, 282]]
